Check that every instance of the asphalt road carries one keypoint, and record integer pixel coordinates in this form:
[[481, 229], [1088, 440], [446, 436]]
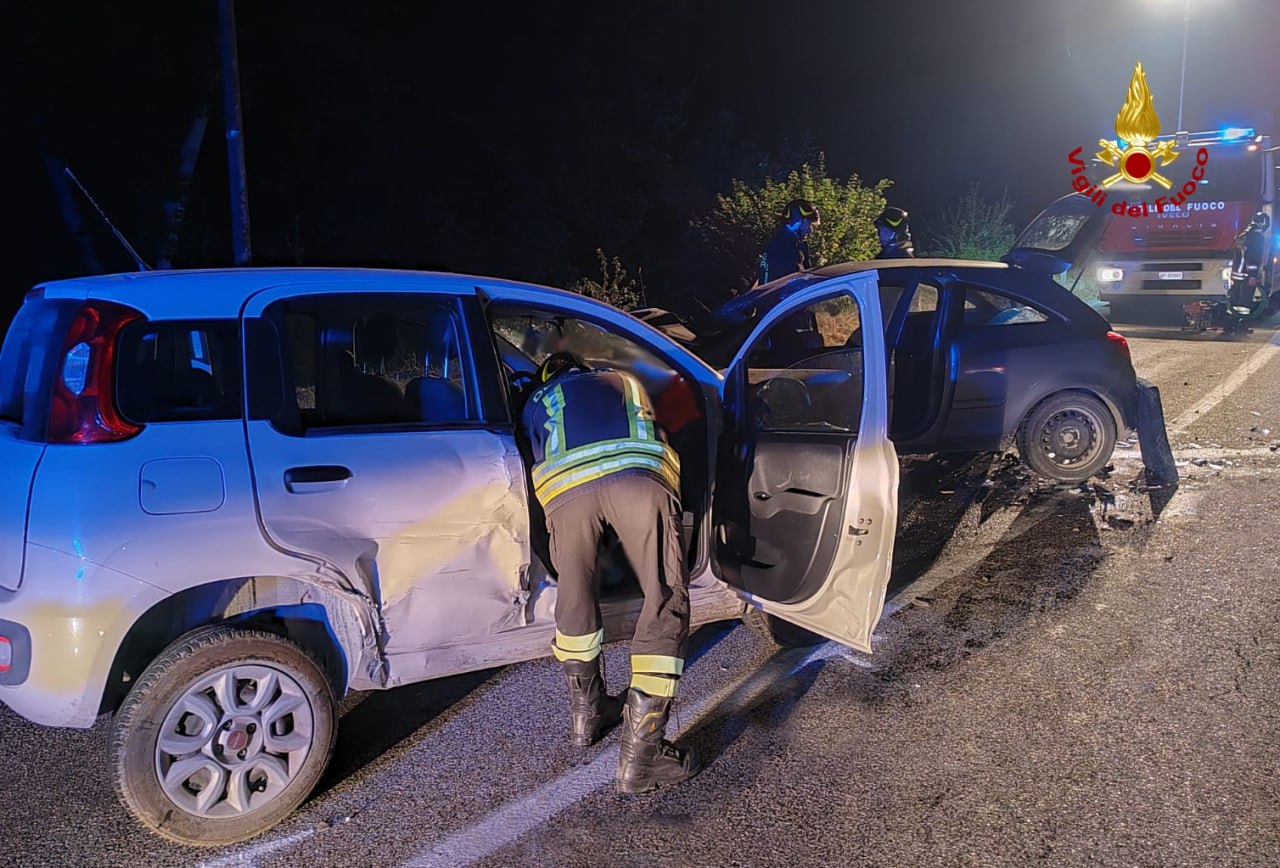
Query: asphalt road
[[1068, 676]]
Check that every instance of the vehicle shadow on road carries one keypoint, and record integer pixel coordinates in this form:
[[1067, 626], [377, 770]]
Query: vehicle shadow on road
[[934, 497], [375, 722], [1039, 564], [764, 700]]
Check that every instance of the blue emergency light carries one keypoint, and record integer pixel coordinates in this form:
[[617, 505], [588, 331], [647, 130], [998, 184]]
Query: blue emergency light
[[1237, 132]]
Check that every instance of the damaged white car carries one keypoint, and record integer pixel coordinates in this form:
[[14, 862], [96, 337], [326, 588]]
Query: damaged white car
[[232, 496]]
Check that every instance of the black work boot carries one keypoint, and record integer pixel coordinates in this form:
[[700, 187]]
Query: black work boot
[[592, 711], [646, 761]]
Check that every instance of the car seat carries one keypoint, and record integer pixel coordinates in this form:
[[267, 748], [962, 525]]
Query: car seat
[[369, 398], [435, 397]]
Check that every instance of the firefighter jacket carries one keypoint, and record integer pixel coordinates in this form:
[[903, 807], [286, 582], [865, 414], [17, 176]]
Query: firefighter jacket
[[1248, 253], [587, 427], [784, 254]]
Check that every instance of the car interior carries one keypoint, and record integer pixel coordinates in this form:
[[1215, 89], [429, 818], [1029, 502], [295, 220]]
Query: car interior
[[525, 337], [370, 361], [172, 371], [913, 326]]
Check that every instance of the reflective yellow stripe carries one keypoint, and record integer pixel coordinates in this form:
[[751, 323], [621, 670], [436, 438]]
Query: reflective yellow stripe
[[551, 490], [579, 643], [602, 449], [654, 685], [584, 656], [553, 402], [657, 664]]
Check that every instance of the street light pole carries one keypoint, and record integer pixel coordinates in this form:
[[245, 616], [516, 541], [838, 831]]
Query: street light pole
[[1186, 30], [240, 246]]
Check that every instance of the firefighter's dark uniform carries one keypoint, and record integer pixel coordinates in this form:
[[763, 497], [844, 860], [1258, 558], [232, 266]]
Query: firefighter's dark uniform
[[786, 253], [1249, 250], [897, 251], [600, 461]]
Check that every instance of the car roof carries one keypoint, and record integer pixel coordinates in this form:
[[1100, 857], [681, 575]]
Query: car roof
[[221, 292], [1041, 289], [894, 264]]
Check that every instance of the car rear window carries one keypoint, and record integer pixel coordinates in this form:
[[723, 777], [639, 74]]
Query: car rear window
[[172, 371], [31, 352]]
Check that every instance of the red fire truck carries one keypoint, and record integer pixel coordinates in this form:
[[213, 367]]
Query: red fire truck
[[1147, 267]]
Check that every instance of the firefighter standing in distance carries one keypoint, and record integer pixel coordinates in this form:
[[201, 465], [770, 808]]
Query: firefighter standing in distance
[[599, 460], [893, 230], [788, 250], [1248, 256]]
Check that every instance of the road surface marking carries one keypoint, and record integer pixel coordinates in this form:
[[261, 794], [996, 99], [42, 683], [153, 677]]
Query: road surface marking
[[1234, 381], [525, 814], [251, 854]]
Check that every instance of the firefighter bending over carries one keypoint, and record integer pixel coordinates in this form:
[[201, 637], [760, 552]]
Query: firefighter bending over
[[600, 461]]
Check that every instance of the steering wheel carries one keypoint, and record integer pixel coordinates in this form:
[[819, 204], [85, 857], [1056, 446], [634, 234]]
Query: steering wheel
[[783, 401], [521, 381]]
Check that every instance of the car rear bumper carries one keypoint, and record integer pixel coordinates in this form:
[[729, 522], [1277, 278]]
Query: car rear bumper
[[74, 614]]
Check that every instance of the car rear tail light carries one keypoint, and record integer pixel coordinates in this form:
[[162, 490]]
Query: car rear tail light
[[83, 407], [1119, 340], [6, 654]]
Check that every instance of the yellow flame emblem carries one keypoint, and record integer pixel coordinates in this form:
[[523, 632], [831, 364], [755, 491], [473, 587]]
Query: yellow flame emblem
[[1137, 125]]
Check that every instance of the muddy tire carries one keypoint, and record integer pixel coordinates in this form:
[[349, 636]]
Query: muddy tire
[[779, 632], [223, 736], [1067, 437]]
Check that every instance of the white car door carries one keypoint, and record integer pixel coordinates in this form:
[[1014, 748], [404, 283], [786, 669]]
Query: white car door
[[380, 455], [806, 501]]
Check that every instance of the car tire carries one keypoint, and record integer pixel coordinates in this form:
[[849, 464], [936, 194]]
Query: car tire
[[200, 758], [778, 632], [1067, 437]]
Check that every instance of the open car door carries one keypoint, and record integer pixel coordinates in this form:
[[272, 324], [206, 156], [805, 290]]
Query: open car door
[[807, 481]]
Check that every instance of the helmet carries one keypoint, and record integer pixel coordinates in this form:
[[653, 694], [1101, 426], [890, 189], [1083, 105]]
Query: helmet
[[799, 209], [1260, 221], [895, 219], [560, 363], [893, 222]]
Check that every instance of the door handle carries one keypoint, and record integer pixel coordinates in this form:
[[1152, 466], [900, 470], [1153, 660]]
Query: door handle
[[314, 478]]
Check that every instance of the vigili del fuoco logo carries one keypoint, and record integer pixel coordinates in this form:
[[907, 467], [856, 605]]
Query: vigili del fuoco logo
[[1137, 157]]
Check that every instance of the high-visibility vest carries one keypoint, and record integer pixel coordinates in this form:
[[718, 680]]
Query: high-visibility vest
[[587, 426]]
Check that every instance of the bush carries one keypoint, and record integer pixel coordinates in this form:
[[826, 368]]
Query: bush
[[974, 229], [746, 216], [615, 286]]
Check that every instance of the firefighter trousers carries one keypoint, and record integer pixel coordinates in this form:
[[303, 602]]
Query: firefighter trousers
[[645, 515]]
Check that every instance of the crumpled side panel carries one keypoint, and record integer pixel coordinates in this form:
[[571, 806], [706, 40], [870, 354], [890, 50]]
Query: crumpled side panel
[[459, 571]]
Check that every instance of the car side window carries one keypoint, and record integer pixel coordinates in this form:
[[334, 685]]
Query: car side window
[[982, 309], [806, 372], [369, 360], [178, 371], [925, 299]]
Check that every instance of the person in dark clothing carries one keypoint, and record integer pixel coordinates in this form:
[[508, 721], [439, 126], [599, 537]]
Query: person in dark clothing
[[893, 230], [601, 462], [1249, 253], [788, 250]]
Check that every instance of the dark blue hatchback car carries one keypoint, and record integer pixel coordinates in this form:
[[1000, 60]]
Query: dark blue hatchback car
[[981, 354]]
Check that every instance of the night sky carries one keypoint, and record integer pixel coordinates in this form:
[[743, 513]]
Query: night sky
[[516, 139]]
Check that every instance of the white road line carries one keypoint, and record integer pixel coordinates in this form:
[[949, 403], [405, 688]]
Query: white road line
[[514, 819], [253, 853], [1237, 379]]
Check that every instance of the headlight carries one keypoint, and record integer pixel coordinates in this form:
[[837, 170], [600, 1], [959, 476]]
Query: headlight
[[1110, 275]]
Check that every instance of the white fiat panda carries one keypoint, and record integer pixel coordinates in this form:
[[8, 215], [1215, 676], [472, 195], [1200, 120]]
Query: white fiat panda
[[232, 496]]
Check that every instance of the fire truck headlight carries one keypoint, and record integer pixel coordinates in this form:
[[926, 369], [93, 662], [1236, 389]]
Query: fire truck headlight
[[1110, 275]]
